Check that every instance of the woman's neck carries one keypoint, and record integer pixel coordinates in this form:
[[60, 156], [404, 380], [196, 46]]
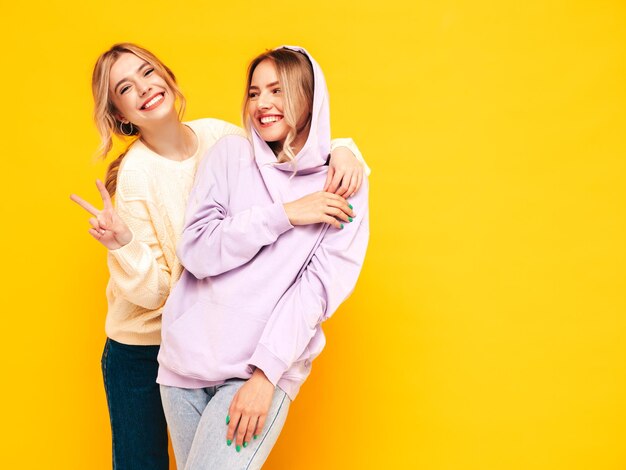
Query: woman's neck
[[170, 139], [297, 143]]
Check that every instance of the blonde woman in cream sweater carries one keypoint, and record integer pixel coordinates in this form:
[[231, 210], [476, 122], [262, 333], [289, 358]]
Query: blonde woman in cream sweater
[[136, 96]]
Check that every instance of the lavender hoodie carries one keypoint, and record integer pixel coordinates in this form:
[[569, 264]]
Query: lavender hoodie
[[255, 289]]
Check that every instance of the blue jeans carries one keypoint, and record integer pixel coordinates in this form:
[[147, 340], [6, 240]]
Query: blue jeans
[[138, 425], [197, 420]]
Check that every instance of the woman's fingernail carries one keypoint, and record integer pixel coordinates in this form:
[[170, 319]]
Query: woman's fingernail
[[245, 444], [350, 206], [227, 419], [350, 219], [229, 442], [238, 448], [256, 435], [341, 225]]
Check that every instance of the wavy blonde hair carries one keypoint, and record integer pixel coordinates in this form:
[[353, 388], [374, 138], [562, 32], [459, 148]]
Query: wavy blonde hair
[[105, 111], [295, 74]]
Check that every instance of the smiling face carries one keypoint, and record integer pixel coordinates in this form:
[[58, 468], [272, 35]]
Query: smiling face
[[139, 94], [279, 100], [266, 103]]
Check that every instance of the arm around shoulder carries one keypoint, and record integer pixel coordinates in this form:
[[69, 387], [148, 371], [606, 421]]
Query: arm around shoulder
[[351, 145]]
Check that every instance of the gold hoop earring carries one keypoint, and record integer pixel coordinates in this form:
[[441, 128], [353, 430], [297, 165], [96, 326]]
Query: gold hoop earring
[[122, 128]]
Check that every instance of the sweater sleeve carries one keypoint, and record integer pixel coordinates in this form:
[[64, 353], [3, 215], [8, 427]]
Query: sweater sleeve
[[139, 269], [214, 242], [325, 282], [350, 145]]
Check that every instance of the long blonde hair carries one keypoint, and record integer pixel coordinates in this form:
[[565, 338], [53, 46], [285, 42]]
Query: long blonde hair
[[104, 109], [295, 74]]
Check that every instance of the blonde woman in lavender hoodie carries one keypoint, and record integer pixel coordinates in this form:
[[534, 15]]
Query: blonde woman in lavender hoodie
[[243, 324]]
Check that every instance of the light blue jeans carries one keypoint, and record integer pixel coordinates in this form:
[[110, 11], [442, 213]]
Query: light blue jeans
[[197, 424]]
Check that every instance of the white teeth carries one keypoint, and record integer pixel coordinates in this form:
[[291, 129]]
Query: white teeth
[[153, 101], [266, 119]]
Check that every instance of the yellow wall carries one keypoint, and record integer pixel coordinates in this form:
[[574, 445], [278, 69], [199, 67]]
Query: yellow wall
[[488, 330]]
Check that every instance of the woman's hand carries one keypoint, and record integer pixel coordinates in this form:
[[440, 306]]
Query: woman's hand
[[107, 227], [345, 173], [248, 410], [319, 207]]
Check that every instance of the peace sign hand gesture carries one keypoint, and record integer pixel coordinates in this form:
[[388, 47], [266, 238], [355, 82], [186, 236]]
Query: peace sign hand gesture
[[107, 226]]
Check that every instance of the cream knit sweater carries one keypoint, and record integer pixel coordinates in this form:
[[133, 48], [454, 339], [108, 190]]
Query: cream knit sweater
[[151, 197]]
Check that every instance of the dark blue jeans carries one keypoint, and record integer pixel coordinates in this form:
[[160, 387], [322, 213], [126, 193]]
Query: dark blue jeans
[[138, 424]]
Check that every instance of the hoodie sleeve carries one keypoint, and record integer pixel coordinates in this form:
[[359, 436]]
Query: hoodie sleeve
[[326, 281], [214, 242]]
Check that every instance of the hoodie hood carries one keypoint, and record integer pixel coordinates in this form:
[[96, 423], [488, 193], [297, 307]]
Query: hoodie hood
[[316, 149]]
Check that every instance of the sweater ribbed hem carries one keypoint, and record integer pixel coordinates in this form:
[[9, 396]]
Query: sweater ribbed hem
[[152, 338]]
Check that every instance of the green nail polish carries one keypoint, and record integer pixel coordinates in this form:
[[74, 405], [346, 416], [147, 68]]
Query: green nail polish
[[238, 448], [341, 225], [350, 219], [256, 436], [350, 206], [245, 444], [227, 419], [228, 442]]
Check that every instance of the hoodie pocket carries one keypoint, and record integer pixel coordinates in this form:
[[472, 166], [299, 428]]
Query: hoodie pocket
[[211, 343]]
